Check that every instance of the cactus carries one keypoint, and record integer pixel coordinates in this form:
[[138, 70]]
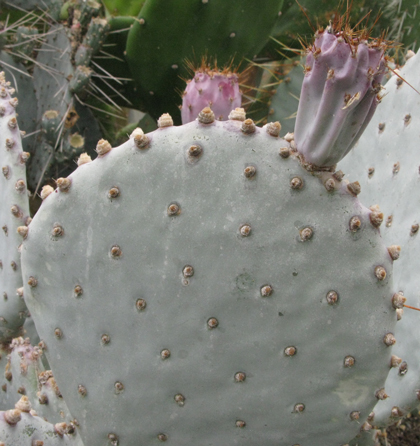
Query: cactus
[[21, 424], [212, 88], [200, 359], [14, 216], [387, 156]]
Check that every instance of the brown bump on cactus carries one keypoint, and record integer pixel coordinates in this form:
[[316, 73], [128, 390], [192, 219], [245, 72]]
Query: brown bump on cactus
[[284, 152], [403, 369], [81, 390], [273, 128], [396, 168], [162, 437], [299, 408], [179, 399], [84, 158], [8, 375], [42, 398], [414, 229], [396, 412], [13, 264], [339, 175], [141, 141], [206, 116], [381, 394], [57, 230], [16, 211], [418, 394], [306, 234], [250, 171], [398, 300], [116, 252], [332, 297], [366, 427], [113, 438], [4, 387], [238, 114], [105, 339], [32, 282], [296, 183], [5, 230], [245, 230], [61, 429], [355, 223], [64, 184], [23, 231], [381, 127], [349, 361], [380, 272], [289, 137], [395, 361], [389, 339], [355, 415], [6, 171], [376, 216], [290, 351], [20, 186], [4, 297], [188, 271], [399, 313], [78, 291], [12, 123], [329, 185], [195, 151], [394, 251], [141, 304], [23, 404], [371, 171], [240, 377], [3, 92], [58, 333], [119, 387], [354, 188], [173, 209], [14, 102], [103, 147], [407, 119], [240, 423], [266, 291], [9, 143], [12, 416], [46, 190], [165, 353], [114, 192], [212, 323], [388, 222], [371, 417], [165, 121], [248, 127]]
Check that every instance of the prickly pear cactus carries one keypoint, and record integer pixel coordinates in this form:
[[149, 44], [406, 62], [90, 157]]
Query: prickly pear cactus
[[389, 161], [22, 424], [14, 215], [247, 300]]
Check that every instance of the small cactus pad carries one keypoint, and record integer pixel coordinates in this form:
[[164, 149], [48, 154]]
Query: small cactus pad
[[21, 426], [14, 215], [339, 93], [187, 292], [210, 88], [387, 164]]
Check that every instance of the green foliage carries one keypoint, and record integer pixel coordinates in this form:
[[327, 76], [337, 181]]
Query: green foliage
[[123, 7]]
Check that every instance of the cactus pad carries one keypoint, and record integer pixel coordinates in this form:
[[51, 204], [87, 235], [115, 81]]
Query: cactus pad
[[197, 286]]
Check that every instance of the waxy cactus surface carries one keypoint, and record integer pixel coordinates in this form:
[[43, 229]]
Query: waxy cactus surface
[[14, 215], [196, 285]]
